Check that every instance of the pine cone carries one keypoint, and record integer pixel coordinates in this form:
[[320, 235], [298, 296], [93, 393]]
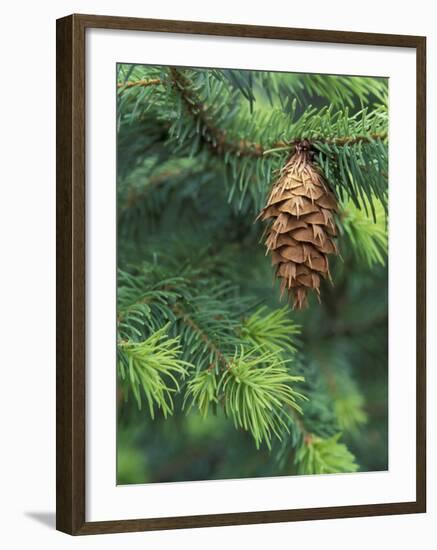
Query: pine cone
[[302, 230]]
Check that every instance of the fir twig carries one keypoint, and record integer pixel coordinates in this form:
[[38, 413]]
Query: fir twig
[[144, 83]]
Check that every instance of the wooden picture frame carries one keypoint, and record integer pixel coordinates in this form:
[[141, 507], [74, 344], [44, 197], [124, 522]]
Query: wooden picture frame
[[71, 283]]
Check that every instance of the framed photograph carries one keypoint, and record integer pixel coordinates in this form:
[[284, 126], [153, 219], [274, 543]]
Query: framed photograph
[[240, 274]]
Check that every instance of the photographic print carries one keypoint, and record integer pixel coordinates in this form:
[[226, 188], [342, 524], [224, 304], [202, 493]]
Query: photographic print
[[252, 286]]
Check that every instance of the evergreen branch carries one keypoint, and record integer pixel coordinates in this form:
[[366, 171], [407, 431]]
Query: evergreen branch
[[144, 83], [351, 150], [210, 317], [350, 413], [368, 236], [214, 137], [348, 403], [324, 456], [318, 412], [273, 331], [135, 302], [145, 297], [243, 147], [320, 140], [351, 140], [202, 391], [357, 172], [179, 312], [278, 88], [343, 91], [152, 366], [256, 390], [318, 418]]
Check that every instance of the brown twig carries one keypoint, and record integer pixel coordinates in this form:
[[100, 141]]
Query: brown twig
[[139, 83], [350, 140]]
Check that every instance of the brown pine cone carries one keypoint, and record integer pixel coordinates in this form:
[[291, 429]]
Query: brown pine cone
[[302, 229]]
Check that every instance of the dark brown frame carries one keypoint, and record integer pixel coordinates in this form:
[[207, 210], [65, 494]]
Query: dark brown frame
[[70, 237]]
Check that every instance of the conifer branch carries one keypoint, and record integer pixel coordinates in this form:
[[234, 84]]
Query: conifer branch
[[289, 145], [214, 137], [144, 83], [177, 309], [351, 140], [217, 139], [152, 368], [324, 456]]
